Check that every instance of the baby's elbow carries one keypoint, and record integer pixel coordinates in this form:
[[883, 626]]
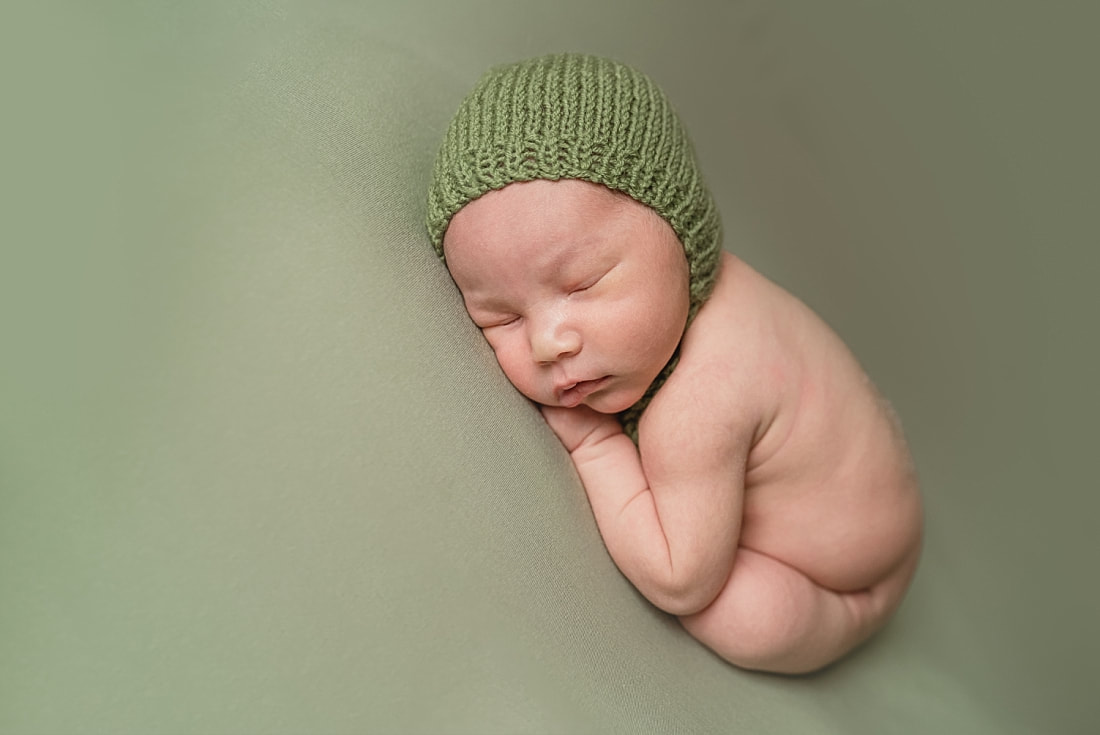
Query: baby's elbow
[[684, 586], [693, 583], [683, 598], [682, 606]]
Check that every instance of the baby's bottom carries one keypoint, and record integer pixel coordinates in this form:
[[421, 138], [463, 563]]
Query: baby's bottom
[[772, 617]]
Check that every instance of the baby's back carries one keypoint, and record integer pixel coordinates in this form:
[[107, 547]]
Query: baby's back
[[830, 487]]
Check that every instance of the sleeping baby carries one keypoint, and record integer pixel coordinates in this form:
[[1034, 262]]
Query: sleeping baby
[[744, 473]]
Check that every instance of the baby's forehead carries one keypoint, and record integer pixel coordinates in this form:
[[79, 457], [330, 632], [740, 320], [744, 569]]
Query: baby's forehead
[[548, 227], [498, 252]]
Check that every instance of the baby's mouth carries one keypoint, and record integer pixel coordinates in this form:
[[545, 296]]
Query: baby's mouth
[[570, 396]]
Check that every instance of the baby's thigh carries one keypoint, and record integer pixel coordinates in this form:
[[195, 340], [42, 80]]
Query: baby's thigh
[[770, 616]]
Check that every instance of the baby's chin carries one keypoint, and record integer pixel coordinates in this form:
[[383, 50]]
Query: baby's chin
[[613, 401]]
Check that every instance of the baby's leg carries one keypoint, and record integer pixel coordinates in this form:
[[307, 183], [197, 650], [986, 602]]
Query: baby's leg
[[771, 617]]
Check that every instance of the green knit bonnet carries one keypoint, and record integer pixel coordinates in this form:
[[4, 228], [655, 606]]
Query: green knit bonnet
[[574, 116]]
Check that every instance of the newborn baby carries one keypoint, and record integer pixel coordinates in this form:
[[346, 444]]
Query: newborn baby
[[743, 471]]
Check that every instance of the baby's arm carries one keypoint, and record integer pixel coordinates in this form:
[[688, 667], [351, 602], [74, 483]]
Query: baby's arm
[[670, 514]]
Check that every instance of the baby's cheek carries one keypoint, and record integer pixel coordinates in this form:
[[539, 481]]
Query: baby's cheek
[[514, 368]]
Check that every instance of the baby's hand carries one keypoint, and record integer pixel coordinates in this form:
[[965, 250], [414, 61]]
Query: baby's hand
[[575, 426]]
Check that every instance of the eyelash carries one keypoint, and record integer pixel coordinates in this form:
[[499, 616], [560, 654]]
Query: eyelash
[[502, 323], [585, 285]]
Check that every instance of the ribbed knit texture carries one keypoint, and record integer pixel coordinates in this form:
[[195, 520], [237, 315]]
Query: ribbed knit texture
[[574, 116]]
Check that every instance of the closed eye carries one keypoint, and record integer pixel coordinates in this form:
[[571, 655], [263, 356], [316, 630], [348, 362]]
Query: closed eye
[[589, 283], [581, 288], [503, 321]]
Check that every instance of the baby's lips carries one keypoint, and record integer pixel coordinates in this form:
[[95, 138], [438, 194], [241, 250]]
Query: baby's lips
[[571, 395]]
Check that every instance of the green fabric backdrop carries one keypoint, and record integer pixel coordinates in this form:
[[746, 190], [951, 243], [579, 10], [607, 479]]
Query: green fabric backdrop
[[258, 473]]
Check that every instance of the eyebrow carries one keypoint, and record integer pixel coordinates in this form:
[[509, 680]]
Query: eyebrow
[[575, 252]]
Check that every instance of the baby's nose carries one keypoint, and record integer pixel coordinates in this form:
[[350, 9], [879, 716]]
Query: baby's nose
[[552, 340]]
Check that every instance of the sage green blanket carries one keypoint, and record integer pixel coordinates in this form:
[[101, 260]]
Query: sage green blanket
[[259, 473]]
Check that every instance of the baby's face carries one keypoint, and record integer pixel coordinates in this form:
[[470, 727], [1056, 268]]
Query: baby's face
[[581, 292]]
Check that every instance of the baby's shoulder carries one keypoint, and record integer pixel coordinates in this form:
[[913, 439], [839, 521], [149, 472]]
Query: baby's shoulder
[[734, 355], [747, 333]]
